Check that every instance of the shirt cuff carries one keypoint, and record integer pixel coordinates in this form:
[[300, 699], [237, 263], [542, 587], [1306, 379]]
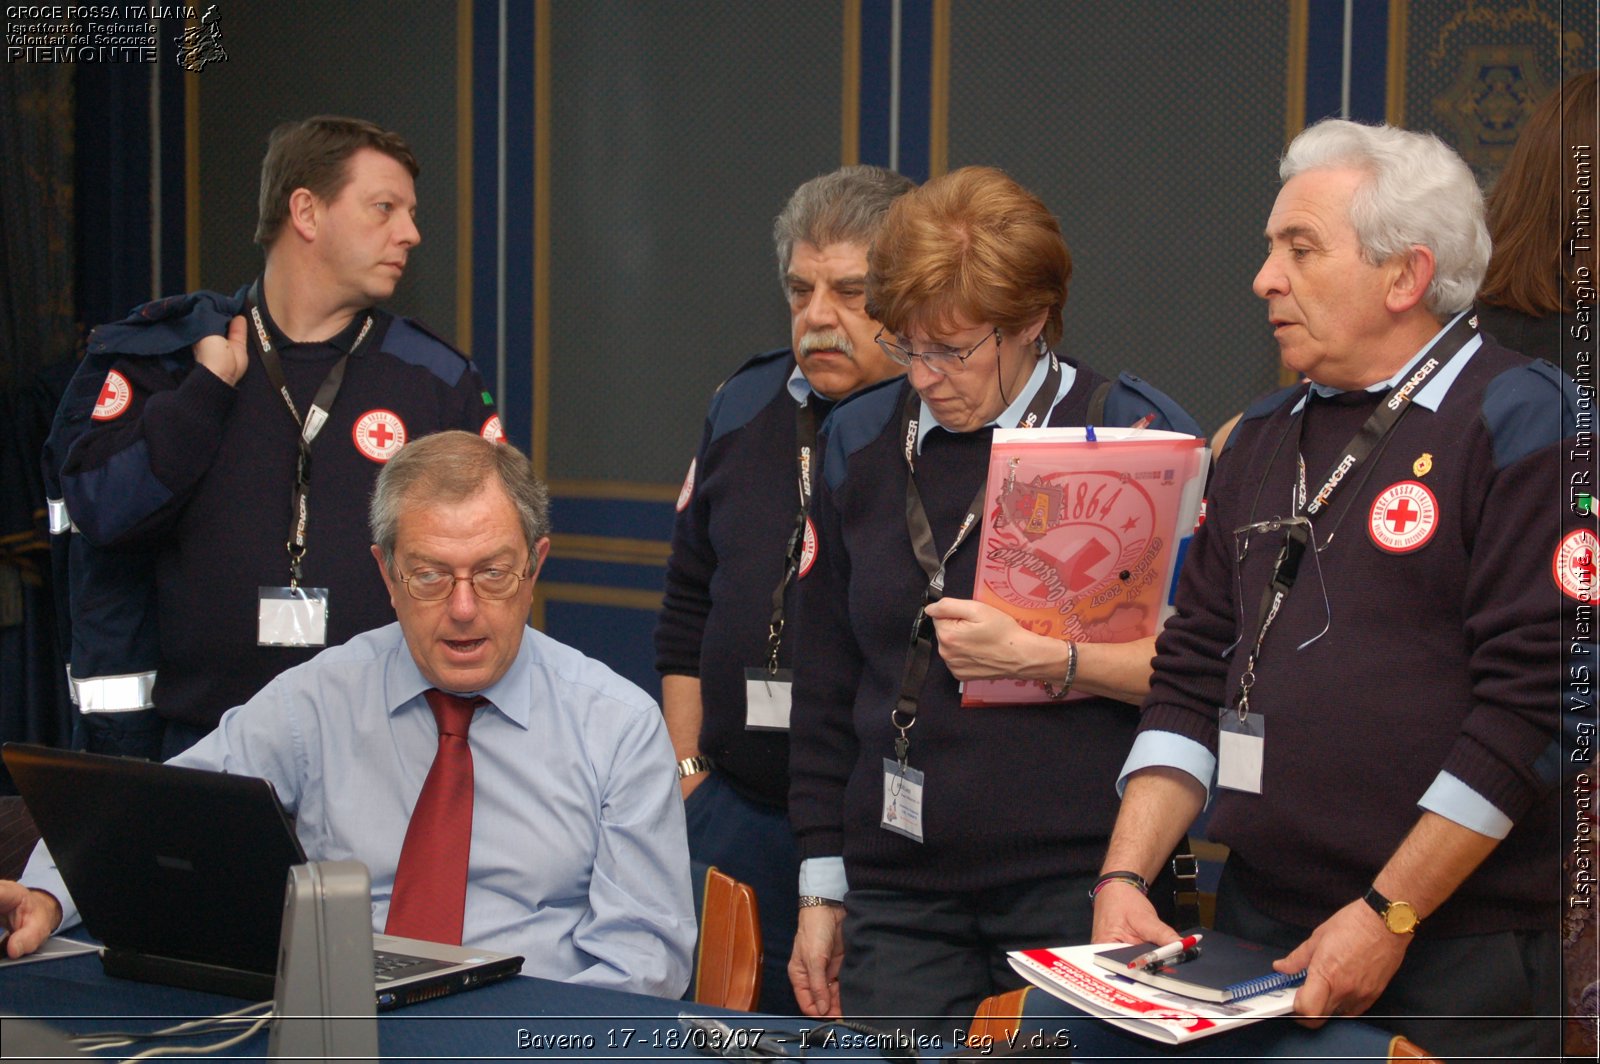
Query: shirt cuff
[[824, 877], [1455, 801], [42, 874], [1163, 749]]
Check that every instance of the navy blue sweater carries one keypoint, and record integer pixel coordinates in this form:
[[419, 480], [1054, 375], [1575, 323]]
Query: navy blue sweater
[[202, 473], [1442, 654], [727, 557], [1013, 793]]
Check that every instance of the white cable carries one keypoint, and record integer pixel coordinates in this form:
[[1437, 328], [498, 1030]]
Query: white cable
[[115, 1039], [163, 1051]]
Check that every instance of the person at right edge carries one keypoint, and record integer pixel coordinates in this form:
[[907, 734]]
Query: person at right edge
[[1537, 276], [1376, 602], [968, 276]]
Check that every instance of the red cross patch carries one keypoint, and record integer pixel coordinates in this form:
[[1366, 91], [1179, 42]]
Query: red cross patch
[[1574, 565], [115, 395], [687, 491], [1403, 517], [379, 434], [492, 430], [808, 549]]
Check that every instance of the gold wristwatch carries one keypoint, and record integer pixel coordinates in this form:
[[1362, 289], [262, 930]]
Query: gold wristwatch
[[1398, 916]]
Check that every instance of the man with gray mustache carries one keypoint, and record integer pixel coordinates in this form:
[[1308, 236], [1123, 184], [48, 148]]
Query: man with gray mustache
[[741, 540]]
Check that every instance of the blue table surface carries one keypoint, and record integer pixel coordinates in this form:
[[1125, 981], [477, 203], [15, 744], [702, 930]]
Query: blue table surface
[[527, 1017], [518, 1017]]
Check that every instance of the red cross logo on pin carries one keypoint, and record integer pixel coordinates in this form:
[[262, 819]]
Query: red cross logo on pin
[[1403, 517], [1574, 565], [379, 434], [115, 395]]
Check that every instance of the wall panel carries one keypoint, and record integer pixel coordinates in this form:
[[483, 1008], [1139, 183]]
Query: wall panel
[[1152, 130]]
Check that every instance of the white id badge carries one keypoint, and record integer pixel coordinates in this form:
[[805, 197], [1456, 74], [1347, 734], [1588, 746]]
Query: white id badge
[[766, 699], [902, 799], [292, 617], [1240, 748]]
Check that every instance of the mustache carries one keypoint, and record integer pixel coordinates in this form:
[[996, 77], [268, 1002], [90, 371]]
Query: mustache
[[826, 340]]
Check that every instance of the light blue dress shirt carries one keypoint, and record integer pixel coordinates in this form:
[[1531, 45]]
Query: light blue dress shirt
[[579, 859]]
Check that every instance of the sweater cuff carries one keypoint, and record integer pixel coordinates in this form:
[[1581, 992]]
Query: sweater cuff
[[823, 843], [1498, 782]]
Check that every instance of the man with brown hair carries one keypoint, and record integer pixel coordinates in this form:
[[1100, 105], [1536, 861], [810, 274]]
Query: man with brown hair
[[236, 439]]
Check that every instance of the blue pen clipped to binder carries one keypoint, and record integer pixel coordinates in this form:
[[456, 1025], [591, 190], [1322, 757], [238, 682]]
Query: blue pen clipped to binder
[[1227, 969]]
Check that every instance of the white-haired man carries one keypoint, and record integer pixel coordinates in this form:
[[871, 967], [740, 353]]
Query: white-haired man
[[1375, 604]]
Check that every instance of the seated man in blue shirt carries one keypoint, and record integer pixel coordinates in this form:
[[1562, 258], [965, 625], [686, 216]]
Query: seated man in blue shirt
[[578, 859]]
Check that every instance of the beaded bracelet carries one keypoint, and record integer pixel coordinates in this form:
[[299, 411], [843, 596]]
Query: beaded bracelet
[[1133, 879]]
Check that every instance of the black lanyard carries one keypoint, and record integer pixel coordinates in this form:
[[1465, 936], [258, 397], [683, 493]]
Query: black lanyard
[[806, 419], [1298, 531], [309, 425], [920, 654]]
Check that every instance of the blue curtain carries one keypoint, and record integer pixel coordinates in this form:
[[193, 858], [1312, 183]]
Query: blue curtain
[[37, 349]]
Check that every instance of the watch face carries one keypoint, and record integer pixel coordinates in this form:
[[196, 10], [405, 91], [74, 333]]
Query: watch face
[[1401, 918]]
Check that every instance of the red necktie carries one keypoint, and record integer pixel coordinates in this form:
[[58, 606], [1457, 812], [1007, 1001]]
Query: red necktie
[[430, 883]]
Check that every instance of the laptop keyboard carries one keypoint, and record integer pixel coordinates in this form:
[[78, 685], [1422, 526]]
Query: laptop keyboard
[[387, 967]]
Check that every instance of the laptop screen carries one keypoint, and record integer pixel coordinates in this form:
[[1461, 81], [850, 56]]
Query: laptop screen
[[153, 853]]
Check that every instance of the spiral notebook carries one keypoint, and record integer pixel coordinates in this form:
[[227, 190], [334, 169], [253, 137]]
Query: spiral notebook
[[1228, 968]]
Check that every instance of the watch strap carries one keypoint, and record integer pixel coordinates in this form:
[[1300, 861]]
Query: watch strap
[[812, 901], [693, 766], [1386, 911]]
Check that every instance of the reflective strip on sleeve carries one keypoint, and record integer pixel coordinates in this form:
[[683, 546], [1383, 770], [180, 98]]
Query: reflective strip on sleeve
[[60, 520], [115, 694]]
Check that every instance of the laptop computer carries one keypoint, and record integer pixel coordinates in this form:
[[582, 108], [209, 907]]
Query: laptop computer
[[181, 873]]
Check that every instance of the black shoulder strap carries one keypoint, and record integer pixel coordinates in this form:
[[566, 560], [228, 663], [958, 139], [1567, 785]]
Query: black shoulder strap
[[1097, 403]]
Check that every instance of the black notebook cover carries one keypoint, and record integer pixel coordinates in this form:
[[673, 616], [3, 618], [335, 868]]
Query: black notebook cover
[[1227, 969]]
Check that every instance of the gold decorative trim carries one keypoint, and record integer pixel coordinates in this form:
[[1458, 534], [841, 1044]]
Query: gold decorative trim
[[1294, 109], [939, 92], [191, 180], [618, 549], [540, 430], [1399, 33], [850, 92], [464, 175], [585, 595], [625, 490]]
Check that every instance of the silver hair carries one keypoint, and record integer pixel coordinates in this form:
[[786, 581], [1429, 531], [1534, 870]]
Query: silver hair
[[847, 205], [1418, 191], [448, 467]]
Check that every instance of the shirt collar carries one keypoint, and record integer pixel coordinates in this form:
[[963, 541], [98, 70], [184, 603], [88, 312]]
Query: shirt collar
[[1011, 416], [1432, 393], [405, 685], [799, 387]]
